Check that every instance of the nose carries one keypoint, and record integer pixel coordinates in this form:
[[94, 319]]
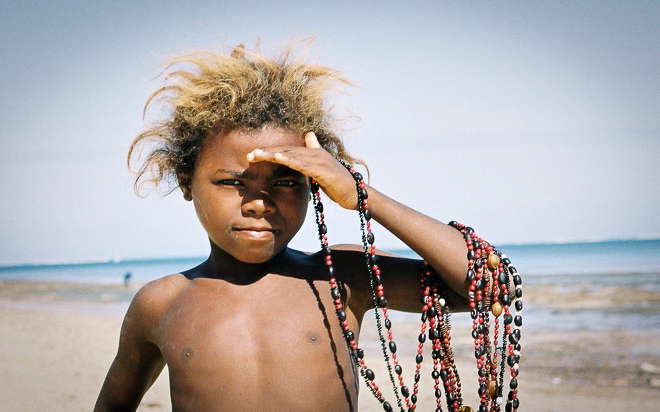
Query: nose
[[258, 203]]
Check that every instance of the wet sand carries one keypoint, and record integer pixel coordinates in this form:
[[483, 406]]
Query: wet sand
[[58, 340]]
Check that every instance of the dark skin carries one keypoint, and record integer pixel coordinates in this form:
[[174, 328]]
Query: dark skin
[[254, 327]]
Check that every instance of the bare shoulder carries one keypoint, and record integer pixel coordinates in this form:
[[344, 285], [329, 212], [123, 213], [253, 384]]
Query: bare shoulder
[[154, 298]]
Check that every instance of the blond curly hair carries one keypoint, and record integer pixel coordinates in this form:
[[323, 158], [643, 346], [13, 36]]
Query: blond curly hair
[[210, 92]]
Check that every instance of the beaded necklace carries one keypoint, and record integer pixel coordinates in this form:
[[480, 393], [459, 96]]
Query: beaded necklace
[[489, 273]]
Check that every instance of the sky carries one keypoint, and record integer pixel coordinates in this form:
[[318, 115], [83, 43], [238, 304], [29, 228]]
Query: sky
[[530, 121]]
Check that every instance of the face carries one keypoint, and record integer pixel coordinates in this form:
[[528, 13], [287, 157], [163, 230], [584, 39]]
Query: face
[[250, 211]]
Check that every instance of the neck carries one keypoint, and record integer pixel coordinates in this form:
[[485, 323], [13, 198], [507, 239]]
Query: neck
[[222, 265]]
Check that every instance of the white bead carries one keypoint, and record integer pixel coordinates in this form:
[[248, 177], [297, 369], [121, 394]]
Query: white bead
[[499, 400], [441, 302]]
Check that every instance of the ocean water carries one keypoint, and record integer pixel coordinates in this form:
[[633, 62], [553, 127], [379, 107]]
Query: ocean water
[[607, 268], [608, 261]]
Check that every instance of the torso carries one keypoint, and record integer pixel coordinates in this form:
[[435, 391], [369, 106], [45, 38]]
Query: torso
[[273, 344]]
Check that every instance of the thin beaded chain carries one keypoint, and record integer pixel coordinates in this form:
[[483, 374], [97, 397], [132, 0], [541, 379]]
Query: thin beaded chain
[[435, 316]]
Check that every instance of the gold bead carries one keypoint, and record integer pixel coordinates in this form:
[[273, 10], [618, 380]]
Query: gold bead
[[493, 390], [493, 261], [496, 309], [465, 409]]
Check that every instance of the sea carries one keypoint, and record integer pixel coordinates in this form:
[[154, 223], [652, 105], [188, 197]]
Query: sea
[[605, 265]]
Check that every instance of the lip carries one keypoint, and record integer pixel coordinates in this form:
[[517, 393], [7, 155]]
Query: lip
[[256, 233]]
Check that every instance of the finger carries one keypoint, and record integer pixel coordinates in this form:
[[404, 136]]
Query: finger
[[311, 141]]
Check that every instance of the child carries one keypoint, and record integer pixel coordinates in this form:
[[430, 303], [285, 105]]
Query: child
[[254, 326]]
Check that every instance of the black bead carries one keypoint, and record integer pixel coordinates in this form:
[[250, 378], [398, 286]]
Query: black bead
[[388, 324], [482, 372], [374, 259], [314, 187], [360, 353], [335, 293], [432, 312], [516, 332], [508, 319], [413, 398], [405, 392], [435, 374], [471, 275], [364, 194], [417, 377], [478, 263], [434, 334], [506, 299], [370, 374], [424, 315], [517, 280], [511, 360], [350, 336], [382, 302], [469, 230], [474, 313], [341, 315], [331, 271], [438, 393], [370, 238], [508, 408], [436, 353], [476, 244], [513, 339], [451, 397], [519, 305], [513, 384], [422, 337], [323, 229], [480, 284], [483, 408], [518, 320], [515, 403], [387, 406], [319, 207], [367, 215], [419, 358], [470, 254], [357, 176], [475, 334], [398, 369], [444, 375], [506, 261], [392, 346], [378, 279], [519, 293], [503, 278]]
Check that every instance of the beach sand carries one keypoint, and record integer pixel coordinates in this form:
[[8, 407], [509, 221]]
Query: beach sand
[[58, 340]]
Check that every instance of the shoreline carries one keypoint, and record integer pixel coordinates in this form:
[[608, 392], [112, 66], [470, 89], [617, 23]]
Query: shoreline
[[57, 341]]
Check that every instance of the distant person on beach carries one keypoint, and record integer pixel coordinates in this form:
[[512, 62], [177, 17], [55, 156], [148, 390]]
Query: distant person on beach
[[255, 327], [127, 278]]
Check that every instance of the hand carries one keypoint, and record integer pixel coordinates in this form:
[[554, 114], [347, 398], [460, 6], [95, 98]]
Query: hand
[[315, 162]]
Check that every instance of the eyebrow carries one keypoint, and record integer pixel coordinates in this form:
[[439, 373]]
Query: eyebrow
[[280, 171]]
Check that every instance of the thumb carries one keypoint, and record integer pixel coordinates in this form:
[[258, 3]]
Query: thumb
[[311, 141]]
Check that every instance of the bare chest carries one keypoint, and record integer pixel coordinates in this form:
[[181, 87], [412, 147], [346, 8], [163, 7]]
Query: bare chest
[[264, 336]]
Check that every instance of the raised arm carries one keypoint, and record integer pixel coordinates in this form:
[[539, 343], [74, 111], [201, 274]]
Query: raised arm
[[138, 362], [440, 245]]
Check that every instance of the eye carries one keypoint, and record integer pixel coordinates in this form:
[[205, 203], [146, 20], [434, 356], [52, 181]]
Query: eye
[[286, 183], [227, 182]]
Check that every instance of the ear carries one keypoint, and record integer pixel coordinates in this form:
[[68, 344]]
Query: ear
[[184, 185]]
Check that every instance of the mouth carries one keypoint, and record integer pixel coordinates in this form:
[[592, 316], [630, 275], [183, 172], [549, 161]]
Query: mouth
[[256, 233]]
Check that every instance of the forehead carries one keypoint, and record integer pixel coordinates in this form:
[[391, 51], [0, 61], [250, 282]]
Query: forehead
[[238, 143], [229, 150]]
